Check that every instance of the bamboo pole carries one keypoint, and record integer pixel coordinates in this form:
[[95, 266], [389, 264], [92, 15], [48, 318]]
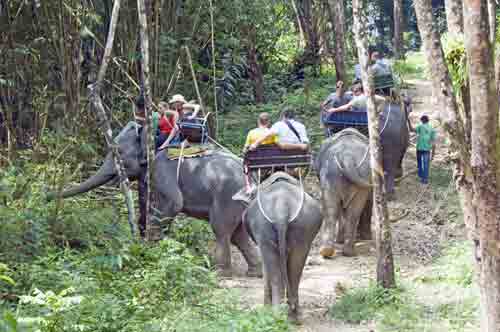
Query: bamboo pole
[[96, 102]]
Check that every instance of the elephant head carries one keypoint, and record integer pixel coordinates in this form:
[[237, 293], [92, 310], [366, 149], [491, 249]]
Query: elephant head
[[129, 147]]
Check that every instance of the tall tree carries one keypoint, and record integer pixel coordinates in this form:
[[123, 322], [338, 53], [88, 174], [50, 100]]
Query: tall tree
[[308, 23], [337, 19], [151, 233], [95, 98], [383, 238], [398, 28], [477, 151], [454, 17], [492, 17], [485, 158]]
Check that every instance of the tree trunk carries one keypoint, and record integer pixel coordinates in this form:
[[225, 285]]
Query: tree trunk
[[485, 158], [302, 37], [383, 238], [95, 99], [492, 17], [255, 70], [398, 29], [311, 50], [72, 68], [454, 17], [337, 18], [151, 233]]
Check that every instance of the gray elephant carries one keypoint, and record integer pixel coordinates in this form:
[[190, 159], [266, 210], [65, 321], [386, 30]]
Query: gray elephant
[[283, 221], [200, 187], [394, 137], [343, 165]]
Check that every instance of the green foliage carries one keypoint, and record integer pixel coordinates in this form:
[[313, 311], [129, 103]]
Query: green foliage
[[454, 50], [454, 267], [411, 67], [132, 288], [365, 304]]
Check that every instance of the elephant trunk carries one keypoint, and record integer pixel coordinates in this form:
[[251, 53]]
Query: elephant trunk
[[104, 175]]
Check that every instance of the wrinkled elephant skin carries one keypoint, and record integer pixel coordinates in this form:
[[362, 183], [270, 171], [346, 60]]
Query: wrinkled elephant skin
[[203, 190], [284, 246]]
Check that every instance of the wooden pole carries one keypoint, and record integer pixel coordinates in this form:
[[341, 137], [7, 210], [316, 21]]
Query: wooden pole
[[96, 102], [148, 123], [383, 237]]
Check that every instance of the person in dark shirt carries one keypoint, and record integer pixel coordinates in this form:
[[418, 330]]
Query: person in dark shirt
[[336, 99]]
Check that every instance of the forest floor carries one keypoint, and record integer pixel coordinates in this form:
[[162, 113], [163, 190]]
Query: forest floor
[[430, 221]]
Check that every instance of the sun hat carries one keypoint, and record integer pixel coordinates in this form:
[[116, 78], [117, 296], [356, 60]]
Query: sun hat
[[177, 98]]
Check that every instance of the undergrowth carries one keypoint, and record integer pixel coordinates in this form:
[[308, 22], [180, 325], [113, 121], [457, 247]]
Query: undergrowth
[[72, 265], [443, 298]]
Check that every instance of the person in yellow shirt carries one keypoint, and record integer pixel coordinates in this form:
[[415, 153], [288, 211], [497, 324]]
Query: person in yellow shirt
[[263, 124]]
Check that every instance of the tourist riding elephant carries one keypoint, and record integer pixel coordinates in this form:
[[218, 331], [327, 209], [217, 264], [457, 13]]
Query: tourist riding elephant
[[394, 138], [283, 220], [343, 167], [200, 187]]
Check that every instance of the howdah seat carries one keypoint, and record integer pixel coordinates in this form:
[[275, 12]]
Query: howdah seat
[[357, 118], [271, 158], [195, 130]]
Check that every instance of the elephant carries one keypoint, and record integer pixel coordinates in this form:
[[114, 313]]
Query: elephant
[[200, 187], [343, 166], [283, 221], [394, 138]]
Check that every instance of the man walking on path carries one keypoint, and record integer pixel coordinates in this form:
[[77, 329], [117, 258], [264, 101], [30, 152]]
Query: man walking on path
[[426, 136]]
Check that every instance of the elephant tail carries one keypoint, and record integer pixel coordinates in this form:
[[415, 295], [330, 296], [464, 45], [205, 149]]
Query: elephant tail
[[283, 255]]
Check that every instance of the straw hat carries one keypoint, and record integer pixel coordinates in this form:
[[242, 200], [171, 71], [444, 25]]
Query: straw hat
[[177, 98]]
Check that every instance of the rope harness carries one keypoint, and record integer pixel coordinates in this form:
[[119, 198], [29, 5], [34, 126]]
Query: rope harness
[[296, 214]]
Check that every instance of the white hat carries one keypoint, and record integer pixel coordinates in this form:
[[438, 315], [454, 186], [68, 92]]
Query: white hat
[[177, 98]]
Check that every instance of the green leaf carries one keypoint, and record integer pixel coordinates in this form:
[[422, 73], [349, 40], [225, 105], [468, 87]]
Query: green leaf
[[7, 279]]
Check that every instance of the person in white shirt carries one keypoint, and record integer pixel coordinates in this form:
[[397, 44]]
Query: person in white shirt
[[290, 132]]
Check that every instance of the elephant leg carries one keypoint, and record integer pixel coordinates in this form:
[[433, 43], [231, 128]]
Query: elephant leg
[[242, 241], [270, 259], [168, 203], [340, 236], [223, 227], [223, 255], [389, 184], [267, 287], [365, 221], [331, 215], [296, 261], [353, 214]]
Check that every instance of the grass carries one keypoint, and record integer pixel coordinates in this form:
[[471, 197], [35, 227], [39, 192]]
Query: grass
[[412, 67], [443, 299]]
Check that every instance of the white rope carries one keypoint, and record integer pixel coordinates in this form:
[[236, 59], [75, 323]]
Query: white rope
[[301, 205], [224, 148], [259, 202], [181, 159], [302, 199]]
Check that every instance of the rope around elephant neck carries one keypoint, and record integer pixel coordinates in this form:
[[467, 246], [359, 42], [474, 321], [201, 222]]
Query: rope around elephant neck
[[181, 160], [296, 214], [368, 146]]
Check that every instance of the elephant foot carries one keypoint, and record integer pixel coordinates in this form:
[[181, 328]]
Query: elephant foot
[[348, 251], [254, 272], [327, 251], [293, 316], [224, 273]]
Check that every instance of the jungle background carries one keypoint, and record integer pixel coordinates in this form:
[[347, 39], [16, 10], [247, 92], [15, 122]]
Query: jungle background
[[72, 265]]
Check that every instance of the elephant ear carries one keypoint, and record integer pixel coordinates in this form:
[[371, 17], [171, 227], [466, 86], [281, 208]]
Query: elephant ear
[[130, 126]]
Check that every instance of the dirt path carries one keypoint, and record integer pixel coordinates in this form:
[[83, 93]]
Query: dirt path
[[417, 238]]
